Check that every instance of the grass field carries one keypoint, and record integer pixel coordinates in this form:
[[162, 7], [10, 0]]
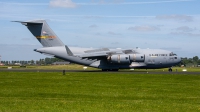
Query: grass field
[[98, 92]]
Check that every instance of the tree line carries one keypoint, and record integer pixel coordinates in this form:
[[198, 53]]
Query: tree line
[[46, 61], [195, 61]]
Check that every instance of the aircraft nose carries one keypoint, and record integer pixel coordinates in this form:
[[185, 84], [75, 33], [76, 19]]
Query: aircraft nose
[[179, 59]]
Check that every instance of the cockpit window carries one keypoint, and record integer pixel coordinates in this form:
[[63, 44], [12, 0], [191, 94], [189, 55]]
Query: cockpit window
[[172, 54]]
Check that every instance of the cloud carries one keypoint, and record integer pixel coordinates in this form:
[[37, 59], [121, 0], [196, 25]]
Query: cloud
[[113, 33], [26, 39], [115, 43], [171, 48], [93, 26], [98, 34], [175, 17], [70, 4], [156, 2], [96, 2], [144, 28], [63, 3], [121, 2], [26, 4], [101, 16], [186, 34], [185, 29]]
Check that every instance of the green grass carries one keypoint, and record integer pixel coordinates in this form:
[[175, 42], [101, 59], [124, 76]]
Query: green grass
[[98, 92]]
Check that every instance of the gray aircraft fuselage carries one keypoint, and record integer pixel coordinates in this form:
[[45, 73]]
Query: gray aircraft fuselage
[[152, 58], [105, 59]]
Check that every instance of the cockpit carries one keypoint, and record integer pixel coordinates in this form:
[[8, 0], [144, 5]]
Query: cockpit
[[172, 54]]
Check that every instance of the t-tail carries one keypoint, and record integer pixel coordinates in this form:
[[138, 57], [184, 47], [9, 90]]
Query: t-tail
[[44, 34]]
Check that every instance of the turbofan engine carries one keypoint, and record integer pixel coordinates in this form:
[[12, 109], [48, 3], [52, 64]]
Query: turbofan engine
[[126, 58]]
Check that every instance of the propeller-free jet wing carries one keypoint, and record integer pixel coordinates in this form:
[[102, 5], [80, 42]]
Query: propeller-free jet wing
[[105, 59]]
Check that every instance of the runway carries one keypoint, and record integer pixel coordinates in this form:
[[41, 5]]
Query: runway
[[99, 71]]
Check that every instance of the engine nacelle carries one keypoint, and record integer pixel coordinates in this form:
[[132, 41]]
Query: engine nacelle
[[127, 58], [120, 59], [137, 57]]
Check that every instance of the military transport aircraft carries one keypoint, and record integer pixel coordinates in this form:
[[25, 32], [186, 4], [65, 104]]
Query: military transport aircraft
[[104, 58]]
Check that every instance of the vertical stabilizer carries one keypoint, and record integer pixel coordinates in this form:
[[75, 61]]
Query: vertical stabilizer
[[44, 34]]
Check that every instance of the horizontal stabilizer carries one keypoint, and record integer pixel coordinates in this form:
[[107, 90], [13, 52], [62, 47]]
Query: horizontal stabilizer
[[36, 22]]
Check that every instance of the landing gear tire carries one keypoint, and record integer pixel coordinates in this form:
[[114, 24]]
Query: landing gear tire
[[170, 69], [110, 69], [104, 69], [114, 70]]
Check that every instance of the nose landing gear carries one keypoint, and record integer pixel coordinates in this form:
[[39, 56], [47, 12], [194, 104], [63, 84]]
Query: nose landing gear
[[170, 69]]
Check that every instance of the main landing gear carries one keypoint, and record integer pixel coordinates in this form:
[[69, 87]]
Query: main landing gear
[[110, 69], [170, 69]]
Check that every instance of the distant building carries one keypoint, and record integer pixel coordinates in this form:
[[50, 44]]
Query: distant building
[[18, 64], [61, 63], [1, 64], [0, 59]]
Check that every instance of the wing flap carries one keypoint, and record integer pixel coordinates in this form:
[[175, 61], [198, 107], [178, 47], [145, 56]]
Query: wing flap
[[93, 55]]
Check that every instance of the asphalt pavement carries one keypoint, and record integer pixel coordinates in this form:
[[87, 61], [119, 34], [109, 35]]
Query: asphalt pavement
[[123, 71]]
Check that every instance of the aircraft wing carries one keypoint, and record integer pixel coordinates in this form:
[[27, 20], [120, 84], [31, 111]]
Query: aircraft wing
[[104, 53]]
